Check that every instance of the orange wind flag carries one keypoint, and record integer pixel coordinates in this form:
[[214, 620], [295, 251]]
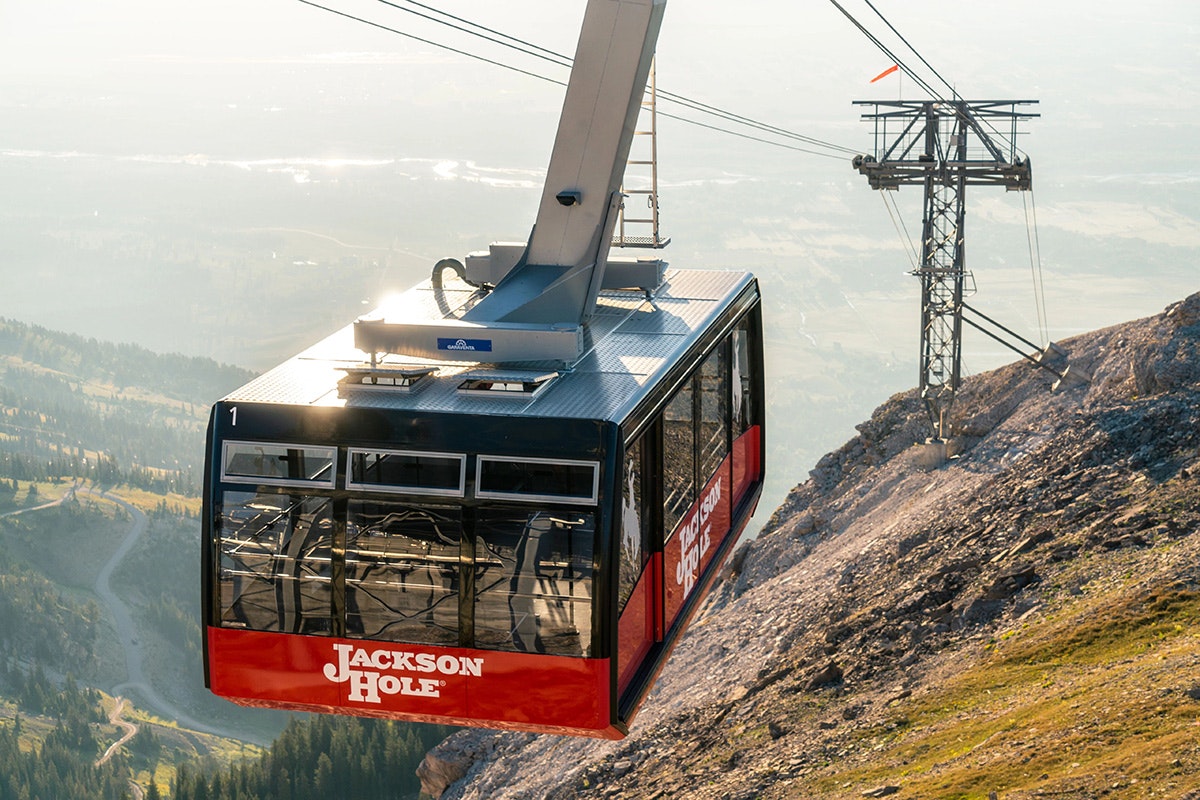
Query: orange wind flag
[[886, 72]]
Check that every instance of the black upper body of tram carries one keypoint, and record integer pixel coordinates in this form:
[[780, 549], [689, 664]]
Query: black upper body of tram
[[351, 513]]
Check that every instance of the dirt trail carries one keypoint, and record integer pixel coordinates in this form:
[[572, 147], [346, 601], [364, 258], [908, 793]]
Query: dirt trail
[[130, 729], [125, 630], [50, 504]]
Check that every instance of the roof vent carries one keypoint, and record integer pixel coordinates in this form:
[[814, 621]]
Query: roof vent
[[506, 384], [381, 377]]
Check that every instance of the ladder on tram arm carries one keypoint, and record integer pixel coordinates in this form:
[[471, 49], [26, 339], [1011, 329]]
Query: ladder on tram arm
[[622, 236]]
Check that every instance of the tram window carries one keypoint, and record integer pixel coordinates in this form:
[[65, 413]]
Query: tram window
[[633, 547], [402, 571], [714, 406], [679, 457], [277, 464], [743, 405], [533, 581], [275, 552], [538, 479], [418, 473]]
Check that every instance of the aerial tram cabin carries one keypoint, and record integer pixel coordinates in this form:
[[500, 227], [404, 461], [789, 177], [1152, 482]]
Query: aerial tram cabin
[[497, 501], [509, 548]]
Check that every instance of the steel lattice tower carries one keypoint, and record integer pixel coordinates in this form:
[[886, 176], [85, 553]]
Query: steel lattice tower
[[943, 146]]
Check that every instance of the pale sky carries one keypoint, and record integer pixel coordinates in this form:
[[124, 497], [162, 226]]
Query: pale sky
[[777, 60]]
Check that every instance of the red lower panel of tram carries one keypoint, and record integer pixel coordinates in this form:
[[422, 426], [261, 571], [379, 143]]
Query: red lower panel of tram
[[638, 629], [747, 462], [458, 686]]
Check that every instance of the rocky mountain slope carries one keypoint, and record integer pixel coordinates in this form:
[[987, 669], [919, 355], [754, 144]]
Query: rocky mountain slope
[[1022, 621]]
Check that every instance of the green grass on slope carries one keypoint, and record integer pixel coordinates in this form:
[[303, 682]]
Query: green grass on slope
[[1098, 698]]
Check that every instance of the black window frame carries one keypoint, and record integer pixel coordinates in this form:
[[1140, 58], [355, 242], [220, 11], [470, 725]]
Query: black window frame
[[481, 493], [327, 482], [391, 488]]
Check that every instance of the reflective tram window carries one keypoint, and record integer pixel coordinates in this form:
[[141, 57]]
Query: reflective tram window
[[743, 401], [714, 405], [538, 479], [275, 552], [277, 464], [399, 563], [533, 580], [634, 552], [402, 571], [679, 457], [416, 473]]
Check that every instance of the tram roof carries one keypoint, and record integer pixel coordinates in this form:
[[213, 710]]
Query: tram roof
[[631, 342]]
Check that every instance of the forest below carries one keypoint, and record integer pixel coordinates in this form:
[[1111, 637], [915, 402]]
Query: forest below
[[316, 757], [78, 414], [78, 409]]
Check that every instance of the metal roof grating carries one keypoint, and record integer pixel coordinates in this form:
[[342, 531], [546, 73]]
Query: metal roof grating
[[628, 342]]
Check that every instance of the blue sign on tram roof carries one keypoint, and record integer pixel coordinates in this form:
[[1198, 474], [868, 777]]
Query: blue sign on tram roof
[[477, 345]]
